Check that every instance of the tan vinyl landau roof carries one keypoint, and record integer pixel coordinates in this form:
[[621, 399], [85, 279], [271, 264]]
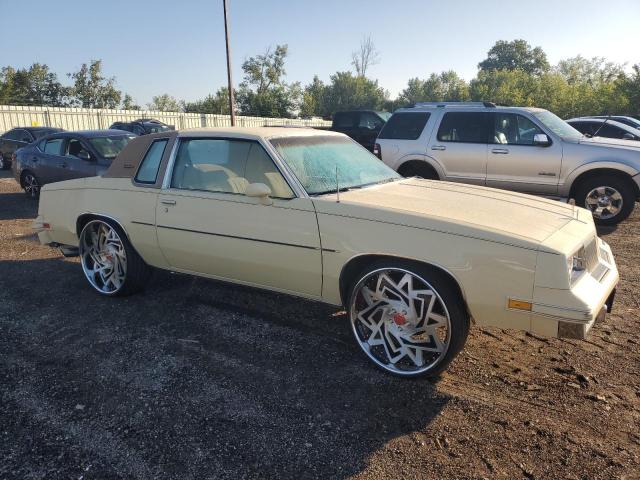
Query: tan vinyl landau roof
[[126, 164]]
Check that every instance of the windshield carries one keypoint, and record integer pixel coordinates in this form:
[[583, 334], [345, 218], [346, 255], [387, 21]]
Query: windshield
[[557, 125], [314, 159], [154, 128], [110, 147]]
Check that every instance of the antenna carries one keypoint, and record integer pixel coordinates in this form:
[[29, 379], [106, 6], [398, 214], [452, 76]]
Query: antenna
[[337, 186]]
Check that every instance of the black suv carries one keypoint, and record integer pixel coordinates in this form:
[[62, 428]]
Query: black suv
[[20, 137], [142, 126]]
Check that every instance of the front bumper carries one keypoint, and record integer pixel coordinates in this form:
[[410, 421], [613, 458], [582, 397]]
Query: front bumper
[[571, 313]]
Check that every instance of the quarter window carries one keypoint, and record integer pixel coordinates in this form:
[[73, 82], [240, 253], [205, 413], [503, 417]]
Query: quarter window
[[53, 146], [405, 126], [514, 129], [370, 121], [464, 127], [226, 166], [148, 171]]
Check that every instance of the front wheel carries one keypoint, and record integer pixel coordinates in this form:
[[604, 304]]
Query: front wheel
[[109, 261], [30, 184], [609, 198], [408, 320]]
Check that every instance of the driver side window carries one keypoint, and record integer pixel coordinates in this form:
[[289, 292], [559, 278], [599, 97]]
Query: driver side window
[[226, 166], [514, 129]]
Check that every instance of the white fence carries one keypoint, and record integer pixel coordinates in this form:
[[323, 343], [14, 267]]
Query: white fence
[[90, 118]]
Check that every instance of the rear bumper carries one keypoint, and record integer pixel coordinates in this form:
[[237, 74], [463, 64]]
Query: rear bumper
[[572, 313]]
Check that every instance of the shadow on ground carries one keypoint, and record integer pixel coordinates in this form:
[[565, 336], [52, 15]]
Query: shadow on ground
[[192, 378]]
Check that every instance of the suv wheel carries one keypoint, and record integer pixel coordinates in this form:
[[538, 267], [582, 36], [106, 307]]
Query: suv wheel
[[409, 320], [610, 198], [418, 169]]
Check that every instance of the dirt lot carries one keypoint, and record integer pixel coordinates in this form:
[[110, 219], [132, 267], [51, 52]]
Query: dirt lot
[[196, 379]]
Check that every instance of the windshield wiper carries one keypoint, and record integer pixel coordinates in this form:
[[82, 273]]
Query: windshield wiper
[[333, 190]]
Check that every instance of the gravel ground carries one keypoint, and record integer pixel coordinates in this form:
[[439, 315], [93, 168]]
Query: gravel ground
[[198, 379]]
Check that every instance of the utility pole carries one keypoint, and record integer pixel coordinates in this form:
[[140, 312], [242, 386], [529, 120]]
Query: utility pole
[[232, 103]]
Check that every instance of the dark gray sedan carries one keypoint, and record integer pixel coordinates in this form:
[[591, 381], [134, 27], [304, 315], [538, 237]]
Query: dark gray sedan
[[67, 155]]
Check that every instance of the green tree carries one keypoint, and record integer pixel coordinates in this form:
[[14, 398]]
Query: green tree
[[312, 98], [92, 90], [444, 87], [35, 85], [263, 92], [128, 103], [165, 103], [631, 88], [349, 92], [515, 55], [218, 103]]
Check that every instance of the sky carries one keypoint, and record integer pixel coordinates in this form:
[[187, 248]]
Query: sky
[[177, 47]]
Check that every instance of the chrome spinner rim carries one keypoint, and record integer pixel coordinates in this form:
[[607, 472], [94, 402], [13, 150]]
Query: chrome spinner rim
[[604, 202], [31, 184], [400, 321], [103, 257]]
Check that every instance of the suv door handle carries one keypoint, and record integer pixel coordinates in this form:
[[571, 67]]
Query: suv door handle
[[500, 151], [168, 202], [438, 147]]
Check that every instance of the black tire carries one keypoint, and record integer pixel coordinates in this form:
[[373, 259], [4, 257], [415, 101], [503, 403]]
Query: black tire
[[611, 183], [4, 163], [137, 272], [449, 294], [418, 168], [30, 184]]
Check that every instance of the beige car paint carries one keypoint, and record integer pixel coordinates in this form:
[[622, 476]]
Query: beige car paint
[[497, 245]]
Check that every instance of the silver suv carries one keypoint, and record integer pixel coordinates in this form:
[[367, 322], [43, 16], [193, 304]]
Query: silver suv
[[527, 150]]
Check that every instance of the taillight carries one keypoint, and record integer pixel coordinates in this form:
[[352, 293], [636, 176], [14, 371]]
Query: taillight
[[377, 151]]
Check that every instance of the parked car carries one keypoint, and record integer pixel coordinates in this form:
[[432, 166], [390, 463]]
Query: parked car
[[630, 121], [361, 125], [66, 155], [17, 138], [521, 149], [142, 126], [602, 127], [313, 214]]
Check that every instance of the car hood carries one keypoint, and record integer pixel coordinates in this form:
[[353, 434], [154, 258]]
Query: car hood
[[469, 210], [611, 142]]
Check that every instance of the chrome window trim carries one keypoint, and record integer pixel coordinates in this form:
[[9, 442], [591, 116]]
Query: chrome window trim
[[134, 179], [291, 180]]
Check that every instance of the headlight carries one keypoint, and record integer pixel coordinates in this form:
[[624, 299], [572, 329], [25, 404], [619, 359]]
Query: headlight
[[577, 264]]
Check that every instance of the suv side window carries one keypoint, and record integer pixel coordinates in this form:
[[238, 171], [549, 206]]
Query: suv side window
[[343, 120], [53, 146], [13, 134], [513, 129], [225, 166], [464, 127], [611, 131], [370, 121], [148, 171], [405, 126], [24, 136]]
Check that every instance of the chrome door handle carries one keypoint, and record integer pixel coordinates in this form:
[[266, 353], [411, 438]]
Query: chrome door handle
[[168, 202], [438, 147], [500, 151]]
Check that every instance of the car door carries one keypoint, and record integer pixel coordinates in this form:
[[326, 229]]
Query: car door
[[45, 160], [515, 162], [74, 163], [206, 224], [460, 146], [367, 129]]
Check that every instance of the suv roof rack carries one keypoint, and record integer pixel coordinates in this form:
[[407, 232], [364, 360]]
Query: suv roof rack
[[455, 104]]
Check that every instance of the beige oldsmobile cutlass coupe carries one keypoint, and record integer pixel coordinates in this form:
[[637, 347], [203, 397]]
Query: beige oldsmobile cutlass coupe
[[313, 214]]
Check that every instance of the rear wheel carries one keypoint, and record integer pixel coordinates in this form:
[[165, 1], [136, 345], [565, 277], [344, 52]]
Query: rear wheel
[[610, 198], [30, 184], [109, 262], [418, 168], [408, 320]]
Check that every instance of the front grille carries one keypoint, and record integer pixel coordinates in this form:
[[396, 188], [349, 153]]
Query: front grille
[[591, 255]]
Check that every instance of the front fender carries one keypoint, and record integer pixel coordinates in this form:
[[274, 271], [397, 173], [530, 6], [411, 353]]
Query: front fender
[[565, 188]]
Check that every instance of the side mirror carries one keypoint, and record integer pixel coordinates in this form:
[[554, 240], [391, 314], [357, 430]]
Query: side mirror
[[260, 191], [541, 140], [628, 136], [84, 155]]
